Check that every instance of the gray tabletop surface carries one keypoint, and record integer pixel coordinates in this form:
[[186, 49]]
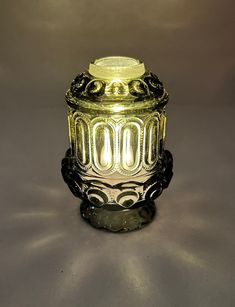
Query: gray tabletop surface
[[48, 255]]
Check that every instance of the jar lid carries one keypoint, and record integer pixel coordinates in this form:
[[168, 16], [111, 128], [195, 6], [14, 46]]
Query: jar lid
[[116, 67], [114, 83]]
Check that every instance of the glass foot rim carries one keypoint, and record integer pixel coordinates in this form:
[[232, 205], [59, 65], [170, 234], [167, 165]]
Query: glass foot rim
[[119, 220]]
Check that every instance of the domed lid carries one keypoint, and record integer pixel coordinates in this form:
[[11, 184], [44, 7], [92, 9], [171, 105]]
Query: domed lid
[[116, 79]]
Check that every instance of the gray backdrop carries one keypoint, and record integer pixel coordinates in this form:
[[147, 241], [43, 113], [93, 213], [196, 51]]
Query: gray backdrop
[[48, 255]]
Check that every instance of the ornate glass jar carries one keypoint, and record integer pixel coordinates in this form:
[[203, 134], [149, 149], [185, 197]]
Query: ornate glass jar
[[116, 161]]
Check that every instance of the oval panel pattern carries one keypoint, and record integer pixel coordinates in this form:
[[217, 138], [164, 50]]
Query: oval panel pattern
[[71, 130], [162, 133], [129, 147], [103, 147], [82, 142], [150, 144]]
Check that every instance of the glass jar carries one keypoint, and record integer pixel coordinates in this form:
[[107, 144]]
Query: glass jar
[[116, 162]]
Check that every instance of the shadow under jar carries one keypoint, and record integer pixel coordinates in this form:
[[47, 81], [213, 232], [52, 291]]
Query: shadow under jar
[[116, 162]]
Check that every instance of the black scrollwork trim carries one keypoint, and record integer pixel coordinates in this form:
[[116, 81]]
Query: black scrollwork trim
[[153, 186], [148, 86]]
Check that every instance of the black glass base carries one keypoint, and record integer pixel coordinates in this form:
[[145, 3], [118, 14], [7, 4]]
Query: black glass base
[[124, 220], [134, 212]]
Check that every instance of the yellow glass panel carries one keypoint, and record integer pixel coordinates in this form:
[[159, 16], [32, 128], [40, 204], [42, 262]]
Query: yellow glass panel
[[151, 137], [82, 141], [130, 146], [103, 147]]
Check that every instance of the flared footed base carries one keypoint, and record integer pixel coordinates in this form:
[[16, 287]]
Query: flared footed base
[[119, 220]]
